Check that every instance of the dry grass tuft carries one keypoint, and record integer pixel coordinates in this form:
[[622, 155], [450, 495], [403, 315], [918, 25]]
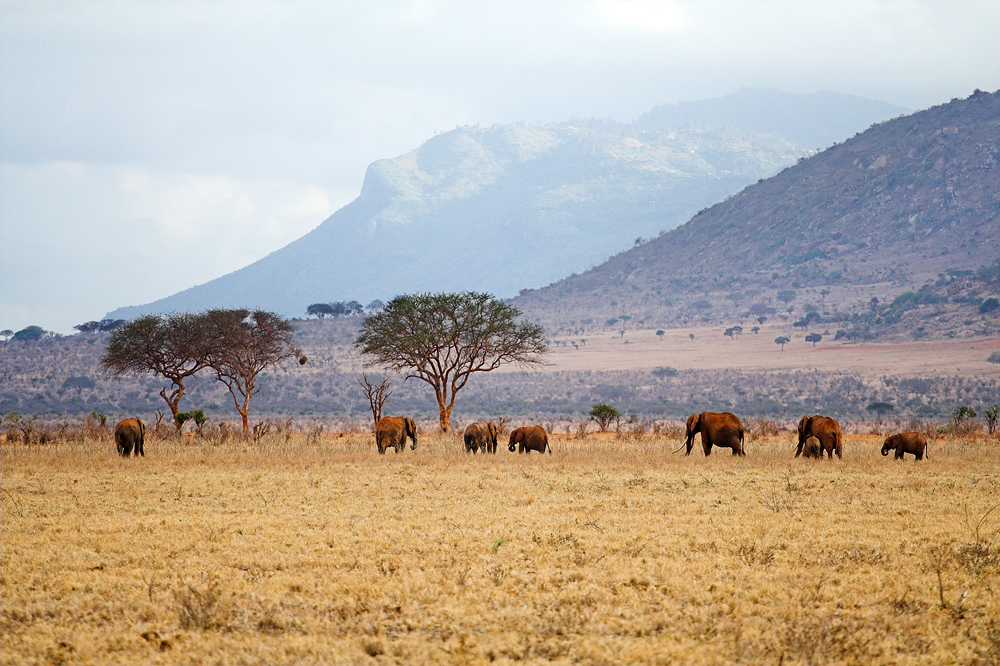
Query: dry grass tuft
[[309, 547]]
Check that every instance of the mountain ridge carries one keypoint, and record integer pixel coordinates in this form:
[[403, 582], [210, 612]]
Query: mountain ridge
[[901, 203], [499, 209]]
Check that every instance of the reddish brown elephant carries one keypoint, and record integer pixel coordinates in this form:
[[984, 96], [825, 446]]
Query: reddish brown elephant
[[812, 448], [717, 429], [130, 435], [392, 431], [826, 430], [529, 438], [906, 442], [481, 436]]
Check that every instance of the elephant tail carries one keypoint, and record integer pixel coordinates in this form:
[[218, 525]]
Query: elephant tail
[[548, 447]]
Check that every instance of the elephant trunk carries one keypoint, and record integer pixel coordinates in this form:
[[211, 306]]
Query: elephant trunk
[[885, 449]]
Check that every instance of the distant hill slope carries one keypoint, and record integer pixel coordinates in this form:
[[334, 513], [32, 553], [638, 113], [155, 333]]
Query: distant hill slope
[[897, 205], [507, 207], [814, 120]]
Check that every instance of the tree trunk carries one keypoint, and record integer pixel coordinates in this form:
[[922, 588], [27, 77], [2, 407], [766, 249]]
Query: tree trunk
[[174, 400], [244, 412], [444, 414]]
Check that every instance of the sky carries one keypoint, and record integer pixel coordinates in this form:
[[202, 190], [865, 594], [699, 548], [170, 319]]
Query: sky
[[146, 147]]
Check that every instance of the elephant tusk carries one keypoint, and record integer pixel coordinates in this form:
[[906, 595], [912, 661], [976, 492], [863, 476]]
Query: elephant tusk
[[679, 447]]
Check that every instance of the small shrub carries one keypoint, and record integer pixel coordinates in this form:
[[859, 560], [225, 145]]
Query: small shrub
[[604, 414]]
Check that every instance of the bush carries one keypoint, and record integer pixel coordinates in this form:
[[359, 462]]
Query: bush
[[663, 371], [994, 357], [29, 334], [604, 414], [989, 305]]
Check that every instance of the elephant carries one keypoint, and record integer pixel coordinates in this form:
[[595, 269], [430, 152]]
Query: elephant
[[481, 436], [130, 434], [812, 449], [826, 430], [529, 438], [723, 430], [906, 442], [392, 431]]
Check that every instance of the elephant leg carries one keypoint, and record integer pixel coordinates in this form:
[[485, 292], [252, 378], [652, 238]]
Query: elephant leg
[[899, 454], [919, 455], [707, 446]]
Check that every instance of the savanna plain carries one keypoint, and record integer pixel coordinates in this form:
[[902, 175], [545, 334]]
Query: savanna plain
[[315, 549]]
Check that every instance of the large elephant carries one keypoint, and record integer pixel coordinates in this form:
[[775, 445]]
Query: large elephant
[[392, 431], [906, 442], [723, 430], [130, 435], [529, 438], [826, 430], [481, 436]]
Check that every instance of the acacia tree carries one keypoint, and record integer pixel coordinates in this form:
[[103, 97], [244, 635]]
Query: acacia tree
[[242, 345], [604, 414], [171, 346], [442, 339]]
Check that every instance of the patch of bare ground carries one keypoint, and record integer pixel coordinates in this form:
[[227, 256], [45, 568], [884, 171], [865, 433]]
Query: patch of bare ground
[[710, 349], [609, 550]]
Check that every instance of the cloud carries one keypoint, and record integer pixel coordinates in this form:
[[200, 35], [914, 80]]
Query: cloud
[[651, 16], [203, 134], [86, 239]]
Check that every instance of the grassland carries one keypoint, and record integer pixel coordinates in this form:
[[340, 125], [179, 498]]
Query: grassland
[[317, 550]]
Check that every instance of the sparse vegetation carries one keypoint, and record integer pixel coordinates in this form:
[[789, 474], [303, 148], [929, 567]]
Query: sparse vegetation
[[603, 414], [301, 547]]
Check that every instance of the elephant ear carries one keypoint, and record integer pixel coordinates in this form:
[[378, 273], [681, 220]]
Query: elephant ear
[[410, 425], [692, 422], [803, 424]]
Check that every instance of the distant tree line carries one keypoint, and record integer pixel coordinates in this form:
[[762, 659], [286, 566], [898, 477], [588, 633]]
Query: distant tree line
[[236, 345], [343, 309]]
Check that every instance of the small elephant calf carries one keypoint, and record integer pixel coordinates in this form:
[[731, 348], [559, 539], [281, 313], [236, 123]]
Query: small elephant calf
[[811, 448], [905, 442]]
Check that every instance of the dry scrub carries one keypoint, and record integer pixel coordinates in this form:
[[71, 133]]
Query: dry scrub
[[610, 550]]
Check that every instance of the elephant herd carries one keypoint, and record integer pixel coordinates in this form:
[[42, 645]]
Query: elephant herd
[[817, 434], [392, 431]]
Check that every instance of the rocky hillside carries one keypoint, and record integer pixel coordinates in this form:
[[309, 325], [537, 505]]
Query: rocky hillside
[[911, 203], [508, 207]]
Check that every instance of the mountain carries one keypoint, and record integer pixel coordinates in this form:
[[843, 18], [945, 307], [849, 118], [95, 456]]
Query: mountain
[[516, 206], [911, 204], [814, 120]]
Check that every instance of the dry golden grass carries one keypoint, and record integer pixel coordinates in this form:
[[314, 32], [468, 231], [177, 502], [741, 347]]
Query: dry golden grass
[[607, 551]]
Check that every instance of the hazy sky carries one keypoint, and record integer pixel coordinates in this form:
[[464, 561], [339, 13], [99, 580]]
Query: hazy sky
[[146, 147]]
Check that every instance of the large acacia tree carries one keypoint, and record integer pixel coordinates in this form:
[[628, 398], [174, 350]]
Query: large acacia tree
[[443, 339], [242, 344], [173, 346]]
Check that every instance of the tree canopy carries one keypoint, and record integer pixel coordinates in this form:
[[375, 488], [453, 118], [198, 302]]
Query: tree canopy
[[237, 344], [442, 339], [241, 345], [604, 414], [174, 346]]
